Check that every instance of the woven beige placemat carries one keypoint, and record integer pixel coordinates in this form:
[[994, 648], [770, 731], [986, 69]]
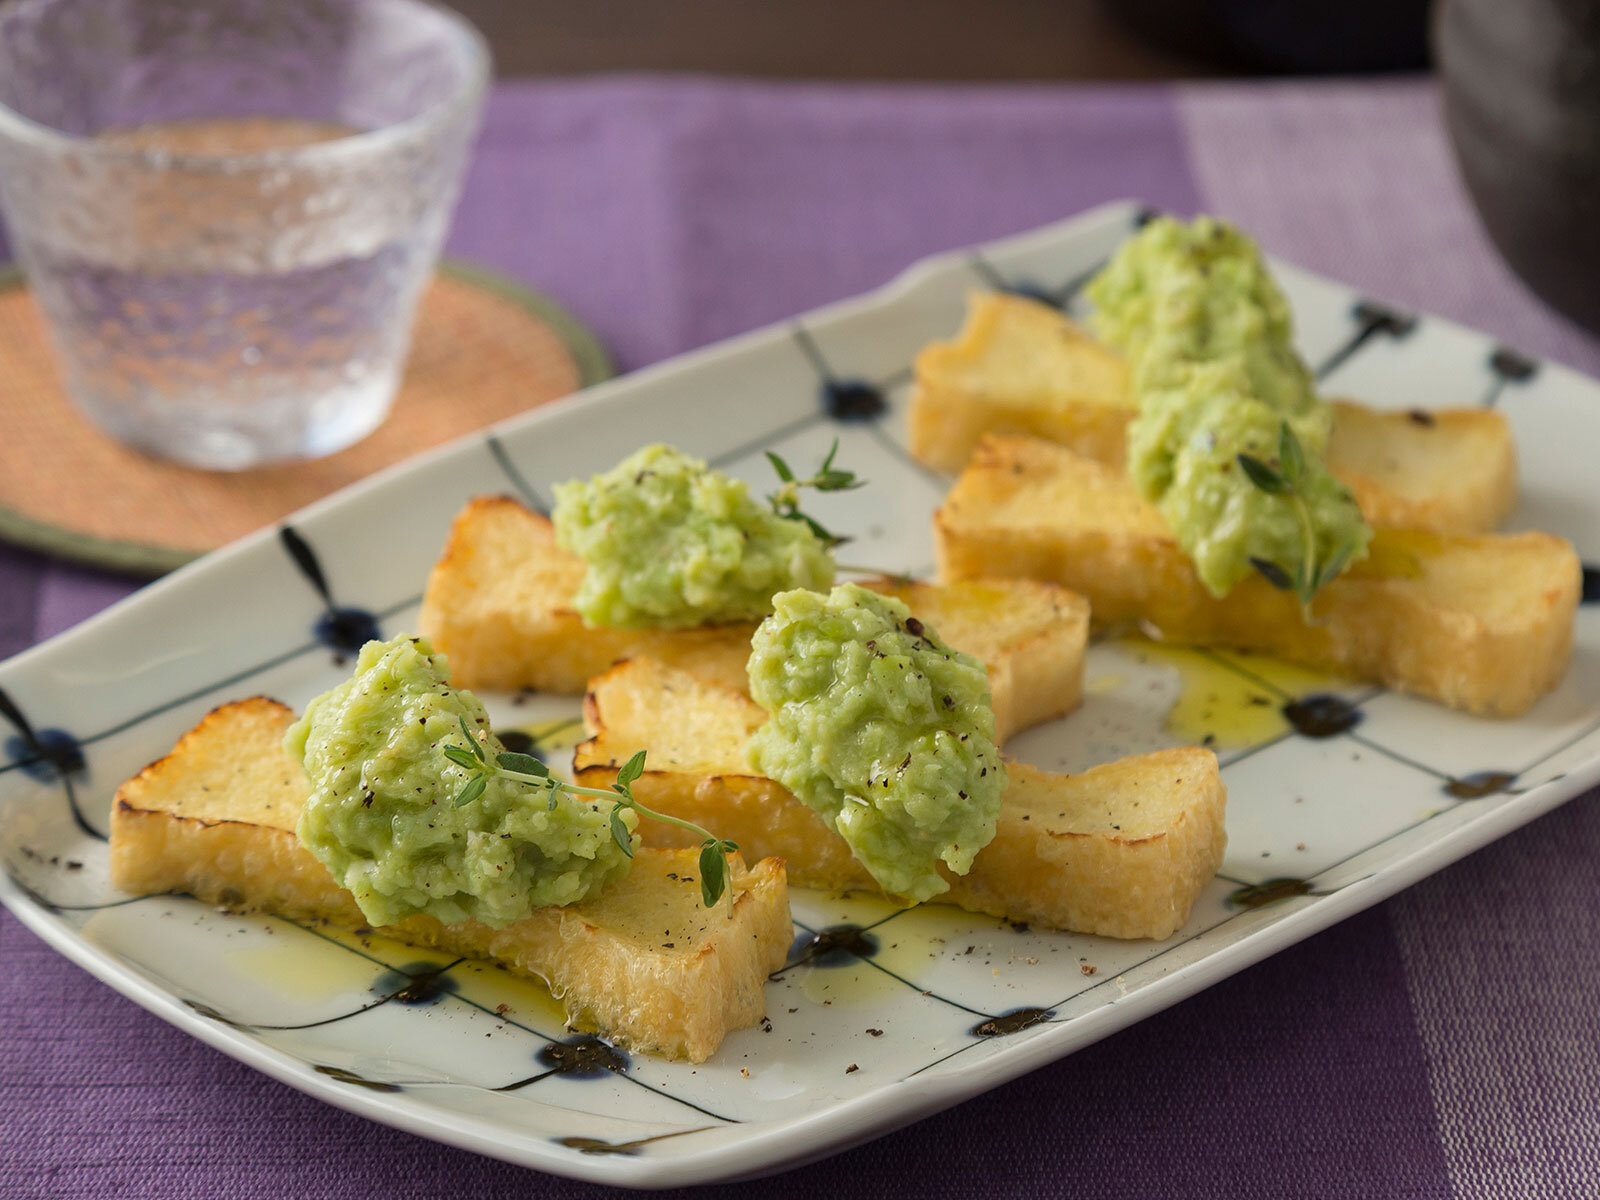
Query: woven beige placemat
[[484, 349]]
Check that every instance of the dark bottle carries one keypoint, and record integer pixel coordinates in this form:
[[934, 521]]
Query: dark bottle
[[1521, 82]]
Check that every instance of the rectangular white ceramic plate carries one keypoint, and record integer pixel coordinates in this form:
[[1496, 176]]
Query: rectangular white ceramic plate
[[927, 1007]]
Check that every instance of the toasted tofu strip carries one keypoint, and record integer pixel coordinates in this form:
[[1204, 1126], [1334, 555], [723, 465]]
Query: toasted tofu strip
[[216, 817], [1447, 470], [1031, 635], [1120, 850], [1021, 367], [498, 604], [1481, 623], [1018, 366]]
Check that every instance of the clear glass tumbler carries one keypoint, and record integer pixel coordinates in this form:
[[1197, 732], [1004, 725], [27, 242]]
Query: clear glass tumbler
[[227, 209]]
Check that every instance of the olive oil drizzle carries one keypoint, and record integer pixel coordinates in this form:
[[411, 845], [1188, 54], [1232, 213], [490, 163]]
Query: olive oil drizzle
[[846, 944], [345, 1076], [1236, 702], [423, 983]]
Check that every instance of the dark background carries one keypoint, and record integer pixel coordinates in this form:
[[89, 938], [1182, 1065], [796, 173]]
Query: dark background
[[947, 40]]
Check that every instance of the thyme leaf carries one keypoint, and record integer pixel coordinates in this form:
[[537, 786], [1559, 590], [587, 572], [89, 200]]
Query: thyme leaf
[[785, 501], [1291, 458], [1266, 478], [472, 741], [1306, 576], [715, 874], [1273, 574]]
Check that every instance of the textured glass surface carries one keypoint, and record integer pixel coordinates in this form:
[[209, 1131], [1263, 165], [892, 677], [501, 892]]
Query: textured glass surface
[[227, 208]]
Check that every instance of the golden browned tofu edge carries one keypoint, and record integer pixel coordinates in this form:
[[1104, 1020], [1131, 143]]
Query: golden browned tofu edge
[[1492, 648], [493, 609], [1092, 879], [498, 605], [947, 414], [675, 1002], [1446, 470], [1031, 636]]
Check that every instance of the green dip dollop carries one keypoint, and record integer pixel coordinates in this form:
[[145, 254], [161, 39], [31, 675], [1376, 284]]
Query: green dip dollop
[[1210, 338], [382, 815], [671, 543], [881, 728]]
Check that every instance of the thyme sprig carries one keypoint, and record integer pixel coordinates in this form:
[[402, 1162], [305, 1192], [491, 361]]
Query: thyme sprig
[[528, 770], [786, 500], [1306, 577]]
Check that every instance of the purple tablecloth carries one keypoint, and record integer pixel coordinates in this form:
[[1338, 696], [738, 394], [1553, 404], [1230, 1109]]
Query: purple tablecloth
[[1444, 1044]]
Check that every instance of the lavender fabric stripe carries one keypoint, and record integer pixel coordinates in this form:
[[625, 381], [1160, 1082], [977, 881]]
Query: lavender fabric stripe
[[1358, 182], [69, 595], [1275, 1083], [1502, 989], [668, 214], [671, 213], [20, 575], [1242, 141], [1505, 998]]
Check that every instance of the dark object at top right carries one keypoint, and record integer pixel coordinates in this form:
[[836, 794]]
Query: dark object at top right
[[1522, 101]]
